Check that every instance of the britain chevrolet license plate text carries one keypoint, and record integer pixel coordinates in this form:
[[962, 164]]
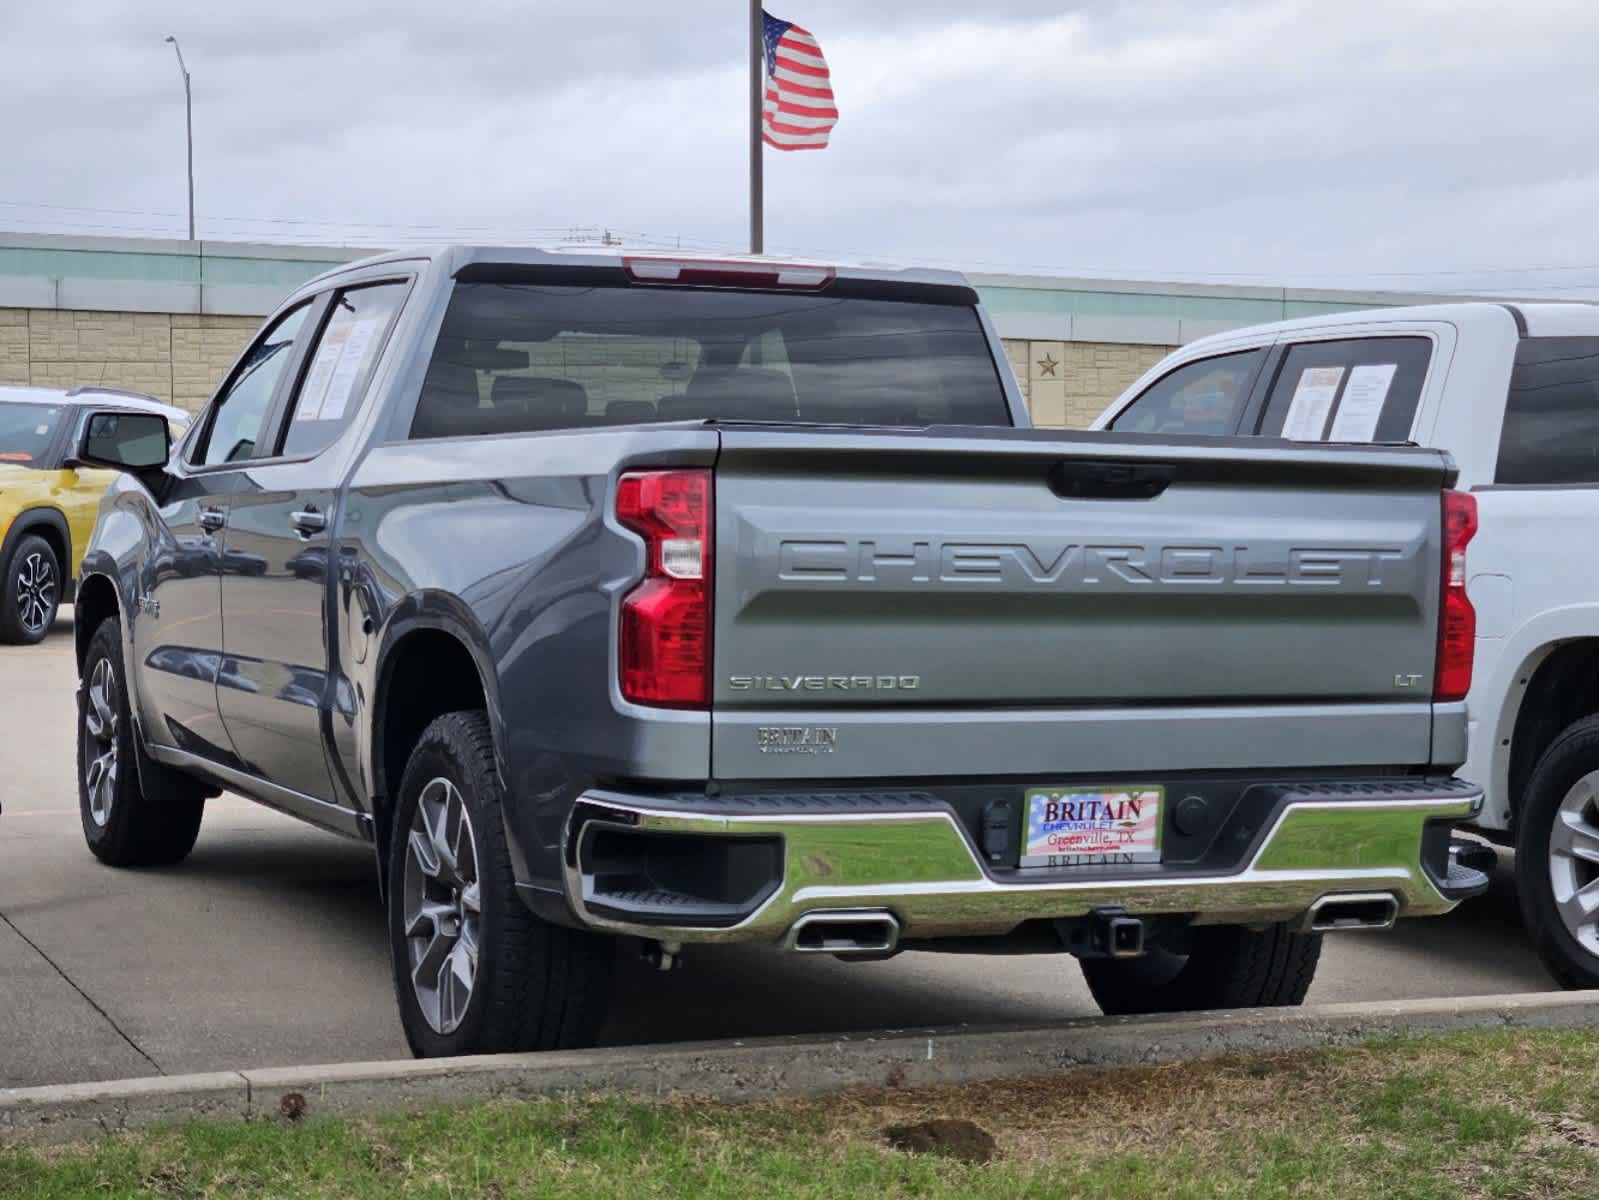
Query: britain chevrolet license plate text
[[1083, 827]]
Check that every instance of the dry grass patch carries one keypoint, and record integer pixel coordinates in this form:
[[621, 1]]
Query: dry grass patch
[[1121, 1111]]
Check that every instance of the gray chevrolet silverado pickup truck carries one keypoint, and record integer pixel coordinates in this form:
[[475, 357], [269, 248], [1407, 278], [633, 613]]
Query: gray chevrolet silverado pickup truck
[[612, 596]]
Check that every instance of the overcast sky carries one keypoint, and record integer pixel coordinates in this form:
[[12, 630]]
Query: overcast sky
[[1404, 144]]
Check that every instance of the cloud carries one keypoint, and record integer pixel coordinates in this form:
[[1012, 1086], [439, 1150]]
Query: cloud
[[1358, 143]]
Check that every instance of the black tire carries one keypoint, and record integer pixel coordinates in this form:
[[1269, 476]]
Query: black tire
[[1226, 966], [122, 824], [30, 591], [1572, 756], [536, 986]]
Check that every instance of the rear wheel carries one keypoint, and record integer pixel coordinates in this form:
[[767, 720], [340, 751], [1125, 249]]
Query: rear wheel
[[124, 825], [1557, 856], [474, 971], [1225, 966], [31, 591]]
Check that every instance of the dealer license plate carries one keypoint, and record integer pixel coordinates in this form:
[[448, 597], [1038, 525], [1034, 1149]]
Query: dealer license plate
[[1087, 827]]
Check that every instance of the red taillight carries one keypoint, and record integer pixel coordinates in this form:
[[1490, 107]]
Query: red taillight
[[1457, 620], [664, 642]]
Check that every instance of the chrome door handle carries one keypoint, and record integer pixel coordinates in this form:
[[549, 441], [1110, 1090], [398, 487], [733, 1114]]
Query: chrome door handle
[[308, 521], [212, 519]]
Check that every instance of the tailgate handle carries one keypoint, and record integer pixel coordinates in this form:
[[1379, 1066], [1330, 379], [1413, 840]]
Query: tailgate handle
[[1078, 479]]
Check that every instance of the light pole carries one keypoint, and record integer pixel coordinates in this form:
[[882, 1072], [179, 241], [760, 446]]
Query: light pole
[[188, 123]]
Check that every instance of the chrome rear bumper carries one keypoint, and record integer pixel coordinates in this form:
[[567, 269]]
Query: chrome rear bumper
[[921, 866]]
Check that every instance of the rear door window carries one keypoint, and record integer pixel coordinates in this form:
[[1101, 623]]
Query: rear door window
[[1352, 390], [1204, 397], [341, 366], [1551, 430]]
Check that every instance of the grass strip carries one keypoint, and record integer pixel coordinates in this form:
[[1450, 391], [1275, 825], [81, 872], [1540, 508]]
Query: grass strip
[[1508, 1114]]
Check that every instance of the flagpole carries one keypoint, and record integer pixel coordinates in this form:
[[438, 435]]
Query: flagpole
[[757, 95]]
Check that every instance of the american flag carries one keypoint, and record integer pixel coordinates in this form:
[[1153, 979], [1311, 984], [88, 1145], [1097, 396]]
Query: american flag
[[798, 113]]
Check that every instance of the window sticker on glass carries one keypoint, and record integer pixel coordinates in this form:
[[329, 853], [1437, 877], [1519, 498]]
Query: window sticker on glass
[[333, 373], [1307, 413], [351, 360], [316, 382], [1361, 406]]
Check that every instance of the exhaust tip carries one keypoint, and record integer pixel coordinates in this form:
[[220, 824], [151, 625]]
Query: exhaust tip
[[847, 934], [1374, 910]]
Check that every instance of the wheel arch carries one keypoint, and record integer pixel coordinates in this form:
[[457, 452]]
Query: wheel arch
[[48, 523], [99, 598], [431, 663], [96, 600], [1553, 685]]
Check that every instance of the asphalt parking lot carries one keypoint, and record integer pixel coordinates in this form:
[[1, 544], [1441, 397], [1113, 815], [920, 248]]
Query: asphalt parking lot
[[266, 947]]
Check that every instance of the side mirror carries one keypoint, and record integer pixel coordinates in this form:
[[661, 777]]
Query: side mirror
[[125, 441]]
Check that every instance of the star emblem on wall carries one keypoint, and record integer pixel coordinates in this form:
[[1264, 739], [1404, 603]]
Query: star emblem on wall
[[1047, 365]]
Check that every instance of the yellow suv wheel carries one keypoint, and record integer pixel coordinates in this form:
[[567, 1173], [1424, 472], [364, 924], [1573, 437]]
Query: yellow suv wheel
[[30, 591]]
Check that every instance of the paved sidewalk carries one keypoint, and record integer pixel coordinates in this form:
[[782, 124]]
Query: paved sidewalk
[[267, 946]]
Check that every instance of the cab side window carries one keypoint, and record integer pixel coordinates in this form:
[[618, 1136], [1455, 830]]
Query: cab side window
[[1204, 397], [1352, 390], [341, 367], [239, 412], [1551, 430]]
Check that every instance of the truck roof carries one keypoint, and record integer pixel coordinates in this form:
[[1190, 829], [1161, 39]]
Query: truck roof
[[454, 257], [1537, 318]]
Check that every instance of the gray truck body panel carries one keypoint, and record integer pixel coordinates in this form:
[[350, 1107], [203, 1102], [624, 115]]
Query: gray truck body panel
[[1021, 627]]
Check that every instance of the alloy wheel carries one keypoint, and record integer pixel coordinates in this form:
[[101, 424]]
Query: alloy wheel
[[1574, 861], [443, 905], [36, 591], [100, 722]]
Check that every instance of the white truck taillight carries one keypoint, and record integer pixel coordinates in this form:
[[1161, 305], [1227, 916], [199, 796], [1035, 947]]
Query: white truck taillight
[[1457, 620], [664, 638]]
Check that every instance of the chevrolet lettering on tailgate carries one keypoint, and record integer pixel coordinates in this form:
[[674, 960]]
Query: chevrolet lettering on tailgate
[[896, 562]]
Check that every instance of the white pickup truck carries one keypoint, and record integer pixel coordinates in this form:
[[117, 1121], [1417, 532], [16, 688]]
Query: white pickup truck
[[1511, 391]]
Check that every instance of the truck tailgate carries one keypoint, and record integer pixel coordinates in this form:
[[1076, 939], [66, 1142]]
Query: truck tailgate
[[867, 582]]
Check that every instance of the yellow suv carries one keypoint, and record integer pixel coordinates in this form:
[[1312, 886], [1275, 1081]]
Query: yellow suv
[[48, 504]]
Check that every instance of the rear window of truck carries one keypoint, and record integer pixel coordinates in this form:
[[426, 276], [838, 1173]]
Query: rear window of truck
[[521, 357]]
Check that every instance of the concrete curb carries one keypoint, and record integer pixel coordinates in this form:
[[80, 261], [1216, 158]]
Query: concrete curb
[[763, 1068]]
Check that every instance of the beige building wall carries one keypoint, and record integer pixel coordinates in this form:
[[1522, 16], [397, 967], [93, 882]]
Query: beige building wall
[[1068, 384], [176, 357], [180, 357]]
